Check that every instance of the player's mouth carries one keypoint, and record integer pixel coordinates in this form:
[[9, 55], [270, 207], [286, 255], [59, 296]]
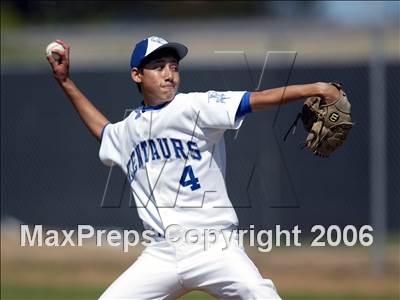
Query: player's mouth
[[168, 86]]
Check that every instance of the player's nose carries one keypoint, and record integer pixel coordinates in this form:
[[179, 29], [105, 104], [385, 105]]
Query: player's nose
[[167, 73]]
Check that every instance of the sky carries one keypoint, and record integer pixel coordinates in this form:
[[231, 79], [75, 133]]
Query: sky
[[361, 12]]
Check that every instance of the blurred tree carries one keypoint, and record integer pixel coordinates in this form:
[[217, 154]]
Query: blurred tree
[[120, 11]]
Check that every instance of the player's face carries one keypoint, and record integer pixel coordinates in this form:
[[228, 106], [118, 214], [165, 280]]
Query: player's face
[[159, 80]]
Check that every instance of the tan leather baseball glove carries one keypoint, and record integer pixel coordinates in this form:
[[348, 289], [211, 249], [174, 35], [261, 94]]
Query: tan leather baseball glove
[[327, 124]]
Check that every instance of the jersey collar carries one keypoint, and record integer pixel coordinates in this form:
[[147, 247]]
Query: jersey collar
[[153, 107]]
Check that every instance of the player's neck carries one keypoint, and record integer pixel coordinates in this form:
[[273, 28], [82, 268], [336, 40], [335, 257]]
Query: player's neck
[[153, 101]]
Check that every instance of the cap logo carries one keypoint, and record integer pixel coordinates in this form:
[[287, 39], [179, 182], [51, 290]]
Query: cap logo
[[158, 40]]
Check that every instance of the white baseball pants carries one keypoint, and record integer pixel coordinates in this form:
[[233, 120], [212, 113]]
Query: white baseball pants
[[167, 271]]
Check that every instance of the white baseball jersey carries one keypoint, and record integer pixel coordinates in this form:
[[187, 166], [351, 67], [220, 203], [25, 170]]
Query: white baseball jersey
[[174, 158]]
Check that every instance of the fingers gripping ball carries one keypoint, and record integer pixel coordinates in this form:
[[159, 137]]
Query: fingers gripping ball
[[54, 46], [327, 124]]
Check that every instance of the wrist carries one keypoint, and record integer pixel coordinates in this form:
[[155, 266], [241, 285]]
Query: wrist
[[65, 82], [320, 89], [311, 89], [328, 92]]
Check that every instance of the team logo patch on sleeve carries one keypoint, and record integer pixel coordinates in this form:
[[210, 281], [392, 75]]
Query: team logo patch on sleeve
[[217, 97]]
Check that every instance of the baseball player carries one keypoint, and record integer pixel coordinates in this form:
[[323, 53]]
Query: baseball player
[[172, 151]]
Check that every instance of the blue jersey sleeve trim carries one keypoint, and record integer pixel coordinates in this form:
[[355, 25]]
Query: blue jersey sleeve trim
[[102, 131], [244, 107]]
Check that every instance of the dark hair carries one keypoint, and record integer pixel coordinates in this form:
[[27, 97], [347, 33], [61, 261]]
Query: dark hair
[[138, 84]]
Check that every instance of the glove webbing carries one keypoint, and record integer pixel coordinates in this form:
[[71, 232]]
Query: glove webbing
[[294, 126]]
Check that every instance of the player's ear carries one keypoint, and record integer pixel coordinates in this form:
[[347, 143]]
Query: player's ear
[[136, 75]]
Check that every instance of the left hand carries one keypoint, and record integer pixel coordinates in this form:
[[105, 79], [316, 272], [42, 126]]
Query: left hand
[[328, 92]]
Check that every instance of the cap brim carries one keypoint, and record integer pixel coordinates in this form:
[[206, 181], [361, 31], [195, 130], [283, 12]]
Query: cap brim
[[181, 49]]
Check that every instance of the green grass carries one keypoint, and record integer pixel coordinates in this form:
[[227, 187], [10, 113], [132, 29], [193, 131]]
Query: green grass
[[44, 292], [336, 297]]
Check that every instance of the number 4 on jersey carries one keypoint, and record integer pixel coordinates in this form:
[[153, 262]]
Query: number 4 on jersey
[[192, 181]]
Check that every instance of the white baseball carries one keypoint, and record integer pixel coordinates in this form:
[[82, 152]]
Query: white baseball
[[54, 46]]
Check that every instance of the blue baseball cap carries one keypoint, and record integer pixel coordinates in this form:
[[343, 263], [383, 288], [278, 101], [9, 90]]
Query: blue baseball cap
[[150, 45]]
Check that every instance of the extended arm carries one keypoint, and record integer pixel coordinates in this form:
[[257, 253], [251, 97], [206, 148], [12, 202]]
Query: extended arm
[[93, 119], [263, 99]]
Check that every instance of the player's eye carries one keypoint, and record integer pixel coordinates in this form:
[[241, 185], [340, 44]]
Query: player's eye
[[156, 66]]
